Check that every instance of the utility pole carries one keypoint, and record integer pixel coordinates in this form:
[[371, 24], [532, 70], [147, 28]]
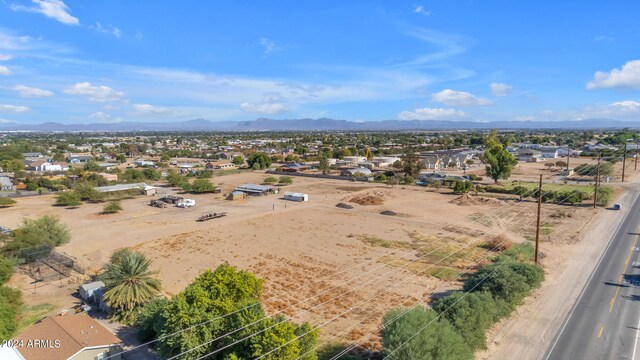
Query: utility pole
[[538, 224], [595, 192], [568, 155], [635, 167], [624, 160]]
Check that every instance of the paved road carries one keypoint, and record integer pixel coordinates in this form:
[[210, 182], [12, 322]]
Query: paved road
[[604, 321]]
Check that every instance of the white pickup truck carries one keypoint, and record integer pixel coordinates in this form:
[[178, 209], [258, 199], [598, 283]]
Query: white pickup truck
[[185, 203]]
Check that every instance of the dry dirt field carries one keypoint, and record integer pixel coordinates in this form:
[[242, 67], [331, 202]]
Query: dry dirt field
[[320, 262]]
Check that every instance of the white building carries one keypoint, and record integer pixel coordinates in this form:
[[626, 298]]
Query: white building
[[294, 196]]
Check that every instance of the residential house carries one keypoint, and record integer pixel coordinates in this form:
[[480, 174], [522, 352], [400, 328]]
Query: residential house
[[32, 155], [548, 152], [76, 159], [143, 163], [72, 337], [527, 155], [220, 165], [353, 171], [293, 167], [46, 166]]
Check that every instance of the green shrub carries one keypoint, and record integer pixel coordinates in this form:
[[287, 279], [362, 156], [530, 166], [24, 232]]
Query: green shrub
[[417, 335], [10, 304], [47, 230], [68, 198], [270, 180], [202, 186], [6, 269], [112, 207], [471, 314], [285, 180]]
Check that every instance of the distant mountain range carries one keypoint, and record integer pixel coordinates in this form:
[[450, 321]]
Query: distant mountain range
[[323, 124]]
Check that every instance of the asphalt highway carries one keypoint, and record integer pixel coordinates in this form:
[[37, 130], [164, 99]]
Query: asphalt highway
[[604, 322]]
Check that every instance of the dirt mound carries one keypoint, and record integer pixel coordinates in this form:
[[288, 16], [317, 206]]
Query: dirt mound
[[344, 206], [468, 200], [367, 200], [389, 213]]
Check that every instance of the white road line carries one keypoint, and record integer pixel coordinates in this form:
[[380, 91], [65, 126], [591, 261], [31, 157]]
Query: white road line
[[584, 288]]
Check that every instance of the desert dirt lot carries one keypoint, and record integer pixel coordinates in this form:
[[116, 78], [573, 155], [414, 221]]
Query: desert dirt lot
[[320, 262]]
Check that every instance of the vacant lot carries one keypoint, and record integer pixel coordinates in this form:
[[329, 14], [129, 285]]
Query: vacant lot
[[320, 262]]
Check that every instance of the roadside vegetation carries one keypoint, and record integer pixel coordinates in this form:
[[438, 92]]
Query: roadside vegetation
[[456, 325]]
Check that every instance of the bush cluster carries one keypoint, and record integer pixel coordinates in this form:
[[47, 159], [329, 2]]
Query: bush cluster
[[458, 323]]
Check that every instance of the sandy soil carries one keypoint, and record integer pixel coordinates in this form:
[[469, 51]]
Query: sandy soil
[[319, 262]]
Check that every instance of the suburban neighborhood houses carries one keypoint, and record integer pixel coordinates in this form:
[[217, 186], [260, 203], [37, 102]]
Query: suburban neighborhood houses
[[177, 208]]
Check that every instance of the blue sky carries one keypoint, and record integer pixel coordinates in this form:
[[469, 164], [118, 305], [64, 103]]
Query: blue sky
[[159, 61]]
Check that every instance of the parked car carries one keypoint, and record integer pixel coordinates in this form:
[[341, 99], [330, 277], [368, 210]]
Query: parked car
[[185, 203], [617, 206]]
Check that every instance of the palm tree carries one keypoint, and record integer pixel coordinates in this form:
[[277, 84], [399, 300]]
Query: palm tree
[[129, 284]]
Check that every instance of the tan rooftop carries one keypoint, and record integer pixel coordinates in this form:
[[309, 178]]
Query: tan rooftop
[[74, 332]]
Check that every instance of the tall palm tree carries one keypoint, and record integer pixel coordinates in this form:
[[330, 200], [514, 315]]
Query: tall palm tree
[[129, 284]]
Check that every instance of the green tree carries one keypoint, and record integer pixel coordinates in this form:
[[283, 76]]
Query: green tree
[[12, 165], [324, 166], [202, 186], [92, 166], [112, 207], [69, 199], [411, 163], [213, 300], [392, 181], [416, 334], [285, 180], [129, 285], [259, 161], [471, 314], [5, 201], [150, 321], [462, 187], [237, 160], [499, 162], [46, 230]]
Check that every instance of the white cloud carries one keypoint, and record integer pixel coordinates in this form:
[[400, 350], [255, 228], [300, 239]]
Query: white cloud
[[421, 10], [95, 93], [626, 77], [269, 46], [627, 106], [31, 92], [154, 110], [5, 57], [458, 98], [105, 118], [13, 108], [109, 29], [270, 104], [604, 38], [4, 70], [500, 89], [431, 114], [55, 9]]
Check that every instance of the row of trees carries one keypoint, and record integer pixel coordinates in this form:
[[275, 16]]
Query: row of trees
[[456, 325]]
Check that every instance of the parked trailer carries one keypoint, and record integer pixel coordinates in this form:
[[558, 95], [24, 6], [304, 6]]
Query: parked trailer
[[293, 196], [210, 216]]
